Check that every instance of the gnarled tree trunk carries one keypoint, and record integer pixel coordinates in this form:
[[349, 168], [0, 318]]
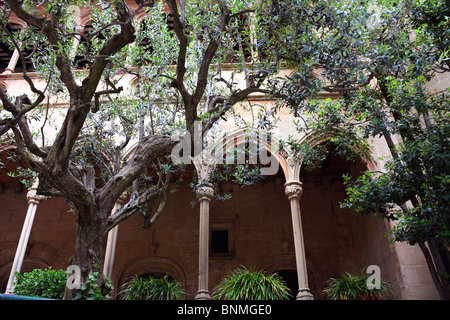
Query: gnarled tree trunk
[[88, 254]]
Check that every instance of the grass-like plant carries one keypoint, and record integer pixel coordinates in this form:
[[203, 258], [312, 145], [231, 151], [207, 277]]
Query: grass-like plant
[[251, 284], [354, 287], [153, 288]]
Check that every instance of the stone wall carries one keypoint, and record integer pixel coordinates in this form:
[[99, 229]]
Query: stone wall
[[260, 235]]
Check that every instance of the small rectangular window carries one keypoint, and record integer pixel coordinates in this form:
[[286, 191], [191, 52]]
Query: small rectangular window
[[219, 241]]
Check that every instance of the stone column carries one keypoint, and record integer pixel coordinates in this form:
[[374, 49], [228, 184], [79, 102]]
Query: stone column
[[112, 240], [33, 201], [205, 193], [12, 62], [293, 190], [14, 59]]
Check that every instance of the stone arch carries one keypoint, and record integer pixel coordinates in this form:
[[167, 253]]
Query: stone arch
[[4, 85], [358, 240], [237, 137], [286, 262], [7, 147], [133, 82], [141, 15], [29, 264], [148, 265], [312, 139], [84, 16], [279, 262]]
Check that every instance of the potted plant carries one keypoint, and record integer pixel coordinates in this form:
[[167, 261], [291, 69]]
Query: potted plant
[[354, 287], [251, 284], [153, 288]]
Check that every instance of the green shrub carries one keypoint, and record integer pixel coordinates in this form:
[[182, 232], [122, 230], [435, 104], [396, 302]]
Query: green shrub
[[153, 288], [354, 287], [45, 283], [251, 284]]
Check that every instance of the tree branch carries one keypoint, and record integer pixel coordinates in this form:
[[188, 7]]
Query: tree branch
[[148, 150], [80, 103], [181, 60], [226, 104], [17, 8], [210, 52], [148, 222], [111, 47], [51, 32], [143, 205]]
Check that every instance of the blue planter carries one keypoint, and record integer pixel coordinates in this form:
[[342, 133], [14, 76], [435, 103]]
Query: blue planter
[[14, 297]]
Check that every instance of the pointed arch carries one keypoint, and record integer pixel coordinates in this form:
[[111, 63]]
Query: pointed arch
[[238, 137], [312, 139]]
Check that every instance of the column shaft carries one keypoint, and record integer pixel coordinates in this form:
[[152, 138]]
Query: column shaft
[[204, 195], [33, 201], [112, 240], [293, 191]]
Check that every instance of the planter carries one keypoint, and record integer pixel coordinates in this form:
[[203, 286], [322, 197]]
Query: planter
[[14, 297]]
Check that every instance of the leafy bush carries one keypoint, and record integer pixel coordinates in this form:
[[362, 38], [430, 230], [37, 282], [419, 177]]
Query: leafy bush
[[153, 288], [251, 284], [45, 283]]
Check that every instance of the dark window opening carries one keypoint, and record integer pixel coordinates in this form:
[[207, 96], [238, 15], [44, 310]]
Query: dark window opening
[[219, 241], [7, 49], [85, 51], [241, 43], [156, 275], [169, 21], [6, 53], [291, 280]]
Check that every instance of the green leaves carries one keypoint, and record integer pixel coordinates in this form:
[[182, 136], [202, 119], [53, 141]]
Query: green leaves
[[432, 23], [153, 288], [93, 290], [49, 283], [420, 175], [354, 287], [45, 283], [251, 284], [381, 73]]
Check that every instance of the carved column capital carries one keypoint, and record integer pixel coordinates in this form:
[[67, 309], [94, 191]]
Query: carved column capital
[[205, 192], [293, 189], [32, 196]]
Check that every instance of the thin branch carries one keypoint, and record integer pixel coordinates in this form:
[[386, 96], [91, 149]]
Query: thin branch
[[148, 222], [40, 94], [209, 54], [111, 47], [181, 60], [99, 93], [45, 121]]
